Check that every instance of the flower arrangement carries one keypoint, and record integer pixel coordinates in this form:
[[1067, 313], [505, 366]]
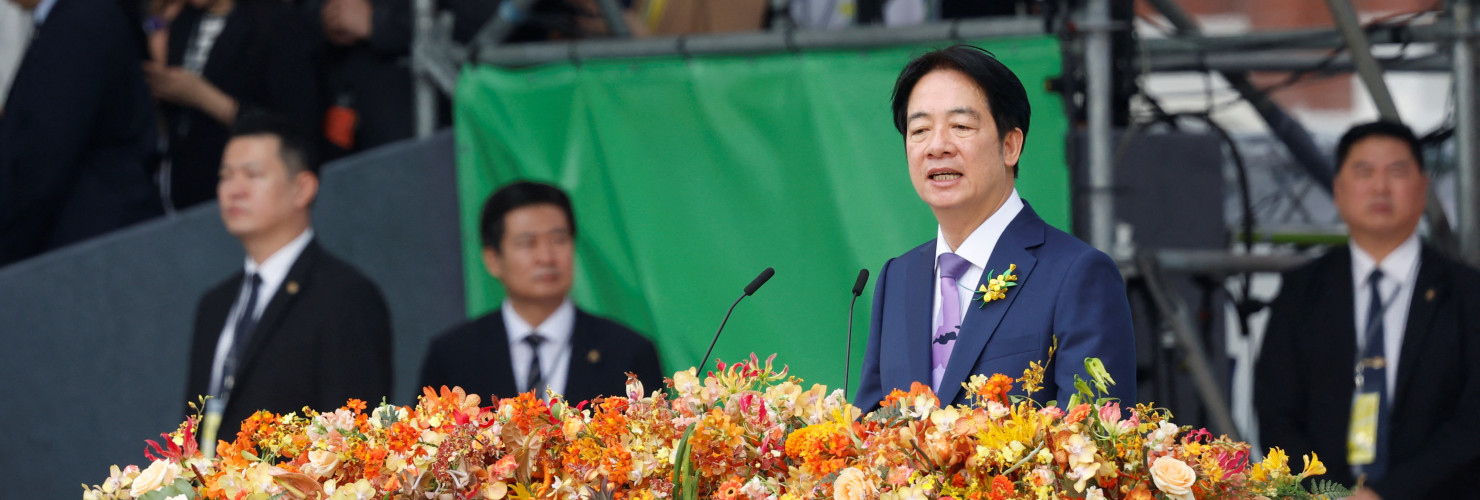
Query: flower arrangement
[[745, 431]]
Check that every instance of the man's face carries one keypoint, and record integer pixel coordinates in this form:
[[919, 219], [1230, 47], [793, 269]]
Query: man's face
[[534, 258], [26, 4], [1380, 190], [957, 161], [256, 193]]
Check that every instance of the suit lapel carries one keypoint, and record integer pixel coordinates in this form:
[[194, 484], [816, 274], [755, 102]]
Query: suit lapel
[[580, 375], [499, 375], [294, 285], [919, 294], [980, 324], [1339, 339], [1429, 291]]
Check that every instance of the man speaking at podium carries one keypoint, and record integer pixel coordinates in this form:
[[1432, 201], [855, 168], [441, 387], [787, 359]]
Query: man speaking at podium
[[964, 117]]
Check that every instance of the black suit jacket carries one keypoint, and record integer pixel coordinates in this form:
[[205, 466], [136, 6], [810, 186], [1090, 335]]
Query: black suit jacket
[[263, 59], [1303, 382], [475, 356], [319, 346], [77, 133]]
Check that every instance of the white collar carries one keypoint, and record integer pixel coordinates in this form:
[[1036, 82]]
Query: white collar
[[275, 269], [43, 9], [556, 329], [977, 248], [1399, 265]]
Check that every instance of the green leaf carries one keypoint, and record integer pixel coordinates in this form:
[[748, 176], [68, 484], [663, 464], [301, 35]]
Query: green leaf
[[181, 486], [1331, 489], [684, 478]]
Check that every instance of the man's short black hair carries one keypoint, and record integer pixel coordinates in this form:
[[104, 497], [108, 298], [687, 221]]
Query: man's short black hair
[[1006, 98], [1378, 128], [517, 195], [295, 147]]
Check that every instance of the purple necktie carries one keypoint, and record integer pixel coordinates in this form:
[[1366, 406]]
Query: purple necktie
[[952, 266]]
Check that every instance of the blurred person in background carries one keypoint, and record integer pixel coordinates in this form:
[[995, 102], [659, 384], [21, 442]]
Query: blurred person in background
[[1369, 360], [77, 131], [538, 340], [295, 326], [367, 73], [226, 58], [366, 47]]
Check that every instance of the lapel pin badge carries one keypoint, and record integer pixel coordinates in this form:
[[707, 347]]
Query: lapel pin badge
[[593, 356], [292, 287], [1429, 295]]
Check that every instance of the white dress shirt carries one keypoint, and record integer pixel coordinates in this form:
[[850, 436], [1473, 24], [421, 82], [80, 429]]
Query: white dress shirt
[[554, 352], [272, 271], [42, 10], [977, 249], [1399, 276]]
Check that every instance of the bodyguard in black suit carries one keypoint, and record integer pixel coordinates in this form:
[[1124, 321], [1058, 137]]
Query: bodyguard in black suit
[[1419, 338], [298, 327], [538, 340], [76, 132], [259, 59]]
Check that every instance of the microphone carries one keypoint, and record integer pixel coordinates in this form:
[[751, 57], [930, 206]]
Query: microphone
[[857, 290], [754, 285]]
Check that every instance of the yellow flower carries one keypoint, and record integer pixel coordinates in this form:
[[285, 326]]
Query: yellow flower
[[1313, 466], [1032, 378], [1276, 463]]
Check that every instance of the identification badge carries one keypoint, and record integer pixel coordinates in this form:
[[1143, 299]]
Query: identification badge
[[1361, 440], [209, 425]]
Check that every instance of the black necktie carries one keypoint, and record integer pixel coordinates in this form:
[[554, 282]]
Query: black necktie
[[536, 377], [1374, 374], [246, 321]]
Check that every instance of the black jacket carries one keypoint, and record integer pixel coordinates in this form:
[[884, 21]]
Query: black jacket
[[324, 338], [1303, 382], [77, 133], [475, 356]]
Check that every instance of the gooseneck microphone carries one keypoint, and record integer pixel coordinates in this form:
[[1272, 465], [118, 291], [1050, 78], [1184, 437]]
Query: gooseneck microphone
[[857, 290], [754, 285]]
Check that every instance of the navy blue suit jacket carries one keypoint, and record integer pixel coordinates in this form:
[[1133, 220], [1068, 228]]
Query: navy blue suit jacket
[[77, 133], [1066, 289]]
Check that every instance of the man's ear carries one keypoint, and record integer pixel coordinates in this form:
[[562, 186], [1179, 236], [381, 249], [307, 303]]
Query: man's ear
[[307, 187], [493, 263], [1012, 149]]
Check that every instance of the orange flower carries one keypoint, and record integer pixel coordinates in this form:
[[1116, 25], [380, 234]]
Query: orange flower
[[730, 489], [822, 449], [997, 388], [1002, 488], [1078, 413], [916, 389]]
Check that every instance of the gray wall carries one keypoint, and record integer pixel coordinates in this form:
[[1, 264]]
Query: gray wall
[[96, 335]]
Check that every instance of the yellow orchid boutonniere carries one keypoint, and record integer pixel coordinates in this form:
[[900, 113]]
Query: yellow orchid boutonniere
[[996, 288]]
